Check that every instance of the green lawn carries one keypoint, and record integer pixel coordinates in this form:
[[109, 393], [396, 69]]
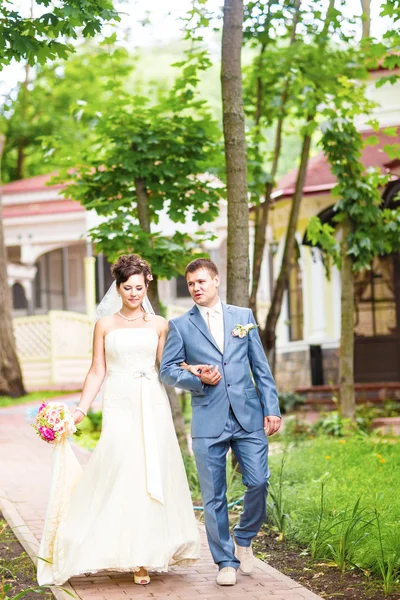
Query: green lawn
[[33, 396], [365, 468]]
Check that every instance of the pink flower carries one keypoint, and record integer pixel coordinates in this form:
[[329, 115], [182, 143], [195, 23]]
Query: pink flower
[[59, 427], [47, 434], [42, 406]]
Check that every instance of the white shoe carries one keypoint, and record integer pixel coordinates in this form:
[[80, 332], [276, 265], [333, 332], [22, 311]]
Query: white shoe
[[246, 557], [226, 576]]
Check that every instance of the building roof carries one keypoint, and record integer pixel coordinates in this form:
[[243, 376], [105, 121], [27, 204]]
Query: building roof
[[319, 177], [33, 197], [31, 184], [30, 209]]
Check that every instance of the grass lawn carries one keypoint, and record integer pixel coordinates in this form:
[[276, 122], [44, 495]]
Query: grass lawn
[[330, 524], [33, 396]]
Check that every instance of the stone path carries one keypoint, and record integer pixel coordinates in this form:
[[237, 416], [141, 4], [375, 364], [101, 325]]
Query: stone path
[[24, 485]]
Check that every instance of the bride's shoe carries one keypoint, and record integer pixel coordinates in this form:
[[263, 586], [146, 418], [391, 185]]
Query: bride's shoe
[[141, 579]]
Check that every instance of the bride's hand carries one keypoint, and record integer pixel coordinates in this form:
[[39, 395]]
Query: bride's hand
[[198, 369], [78, 417]]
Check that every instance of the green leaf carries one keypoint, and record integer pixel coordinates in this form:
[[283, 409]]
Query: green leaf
[[371, 140], [390, 131]]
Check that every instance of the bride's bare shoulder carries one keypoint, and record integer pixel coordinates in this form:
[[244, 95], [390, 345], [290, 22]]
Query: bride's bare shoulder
[[159, 322], [105, 323]]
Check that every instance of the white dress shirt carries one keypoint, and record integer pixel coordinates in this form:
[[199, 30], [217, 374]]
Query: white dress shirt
[[214, 319]]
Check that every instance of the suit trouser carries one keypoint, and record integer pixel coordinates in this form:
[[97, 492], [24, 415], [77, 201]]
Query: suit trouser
[[251, 451]]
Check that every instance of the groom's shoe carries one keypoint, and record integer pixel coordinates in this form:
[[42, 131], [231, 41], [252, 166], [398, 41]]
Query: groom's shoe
[[245, 555], [226, 576]]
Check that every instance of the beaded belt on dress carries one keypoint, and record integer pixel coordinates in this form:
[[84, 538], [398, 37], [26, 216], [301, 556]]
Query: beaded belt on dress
[[147, 372]]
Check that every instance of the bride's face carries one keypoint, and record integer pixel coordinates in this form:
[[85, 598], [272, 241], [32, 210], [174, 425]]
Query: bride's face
[[133, 291]]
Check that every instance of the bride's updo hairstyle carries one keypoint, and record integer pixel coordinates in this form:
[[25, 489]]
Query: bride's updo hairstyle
[[128, 265]]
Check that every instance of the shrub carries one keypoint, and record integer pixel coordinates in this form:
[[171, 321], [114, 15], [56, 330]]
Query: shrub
[[289, 401]]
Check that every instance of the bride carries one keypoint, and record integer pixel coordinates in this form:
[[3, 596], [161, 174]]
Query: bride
[[130, 509]]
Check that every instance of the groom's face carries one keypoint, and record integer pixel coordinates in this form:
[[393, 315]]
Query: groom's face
[[203, 287]]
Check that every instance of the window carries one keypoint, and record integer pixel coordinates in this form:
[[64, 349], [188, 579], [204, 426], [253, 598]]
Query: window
[[375, 299], [181, 287], [295, 299], [37, 286], [18, 297]]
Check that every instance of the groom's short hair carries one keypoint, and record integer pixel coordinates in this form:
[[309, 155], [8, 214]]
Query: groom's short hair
[[202, 263]]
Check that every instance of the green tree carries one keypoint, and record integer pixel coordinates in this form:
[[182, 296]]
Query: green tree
[[147, 162], [292, 82], [34, 40], [63, 98], [361, 222], [367, 231]]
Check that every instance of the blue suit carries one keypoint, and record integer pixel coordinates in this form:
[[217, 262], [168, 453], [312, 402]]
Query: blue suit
[[230, 414]]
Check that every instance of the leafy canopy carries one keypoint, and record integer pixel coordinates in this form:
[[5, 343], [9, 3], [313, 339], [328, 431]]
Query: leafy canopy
[[161, 155], [53, 116], [374, 232], [43, 38]]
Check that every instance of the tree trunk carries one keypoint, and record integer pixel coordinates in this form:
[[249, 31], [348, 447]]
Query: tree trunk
[[261, 215], [366, 18], [24, 103], [177, 417], [346, 358], [268, 335], [20, 161], [235, 155], [153, 296], [11, 383]]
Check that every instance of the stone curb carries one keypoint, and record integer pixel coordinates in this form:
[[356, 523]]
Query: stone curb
[[28, 541]]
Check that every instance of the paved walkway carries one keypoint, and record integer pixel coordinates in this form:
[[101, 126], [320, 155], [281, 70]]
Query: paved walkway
[[24, 486]]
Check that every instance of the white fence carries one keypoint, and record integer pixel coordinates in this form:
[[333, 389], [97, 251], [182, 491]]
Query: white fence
[[54, 349]]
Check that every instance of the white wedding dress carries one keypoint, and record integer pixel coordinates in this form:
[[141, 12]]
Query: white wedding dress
[[131, 506]]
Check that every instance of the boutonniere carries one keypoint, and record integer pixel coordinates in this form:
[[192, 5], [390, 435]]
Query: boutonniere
[[242, 330]]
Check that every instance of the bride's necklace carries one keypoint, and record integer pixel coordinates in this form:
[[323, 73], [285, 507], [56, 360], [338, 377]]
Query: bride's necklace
[[128, 319]]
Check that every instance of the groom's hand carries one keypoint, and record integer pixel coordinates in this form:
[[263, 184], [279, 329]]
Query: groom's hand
[[211, 376], [272, 424], [198, 369]]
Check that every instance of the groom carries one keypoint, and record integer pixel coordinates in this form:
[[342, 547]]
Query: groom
[[234, 400]]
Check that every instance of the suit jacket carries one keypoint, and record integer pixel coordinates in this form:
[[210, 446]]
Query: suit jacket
[[247, 383]]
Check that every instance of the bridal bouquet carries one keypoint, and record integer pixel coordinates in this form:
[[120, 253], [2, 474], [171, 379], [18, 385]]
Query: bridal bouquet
[[54, 422]]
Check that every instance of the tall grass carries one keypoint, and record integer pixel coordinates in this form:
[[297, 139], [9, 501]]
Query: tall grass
[[276, 503], [342, 496]]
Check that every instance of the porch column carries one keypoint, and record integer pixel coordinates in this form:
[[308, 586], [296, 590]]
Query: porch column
[[48, 281], [318, 325], [90, 282], [65, 277], [28, 289]]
